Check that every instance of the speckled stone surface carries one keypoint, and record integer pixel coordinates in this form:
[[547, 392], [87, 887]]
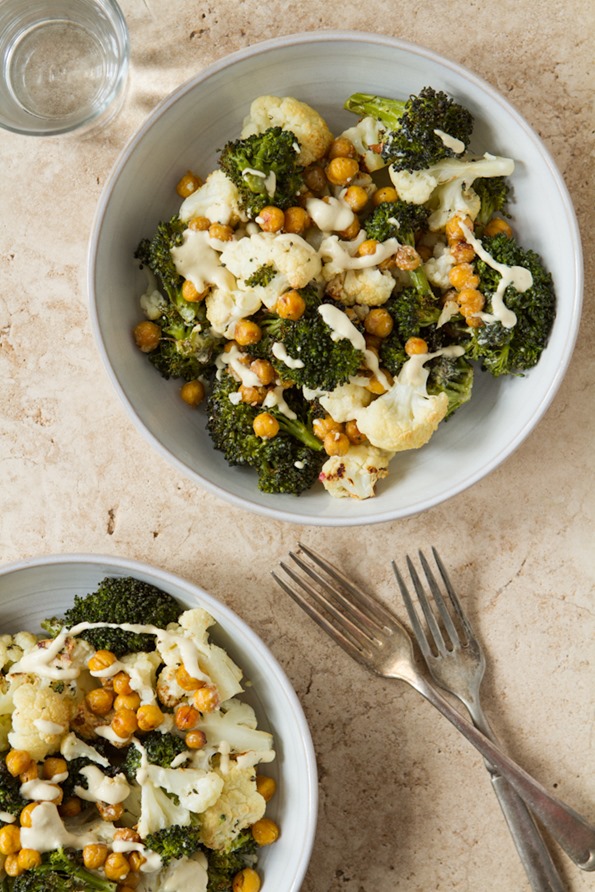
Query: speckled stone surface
[[405, 802]]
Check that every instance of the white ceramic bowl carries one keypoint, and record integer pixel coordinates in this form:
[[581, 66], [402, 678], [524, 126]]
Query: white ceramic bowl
[[188, 129], [34, 589]]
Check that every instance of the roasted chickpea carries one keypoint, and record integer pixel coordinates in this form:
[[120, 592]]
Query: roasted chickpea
[[462, 252], [147, 336], [199, 223], [342, 147], [352, 230], [53, 766], [265, 425], [186, 717], [315, 178], [110, 812], [149, 717], [94, 855], [266, 786], [384, 194], [192, 392], [407, 258], [265, 832], [415, 346], [121, 683], [367, 247], [186, 681], [101, 660], [290, 305], [11, 866], [116, 867], [247, 880], [356, 197], [188, 184], [453, 230], [24, 817], [221, 231], [100, 700], [28, 858], [195, 740], [10, 839], [356, 438], [247, 332], [463, 276], [70, 808], [379, 322], [254, 396], [324, 426], [340, 171], [297, 220], [336, 443], [496, 226], [124, 722], [18, 761], [206, 699], [264, 370], [271, 219], [127, 701]]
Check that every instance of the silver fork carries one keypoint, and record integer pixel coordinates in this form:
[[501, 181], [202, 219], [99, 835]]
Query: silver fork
[[375, 637], [458, 666]]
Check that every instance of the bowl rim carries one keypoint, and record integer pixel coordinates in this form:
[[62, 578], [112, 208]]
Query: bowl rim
[[229, 622], [570, 220]]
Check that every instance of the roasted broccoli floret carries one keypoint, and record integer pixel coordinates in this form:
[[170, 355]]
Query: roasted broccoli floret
[[286, 463], [155, 254], [494, 194], [61, 871], [413, 312], [223, 866], [11, 800], [119, 600], [263, 276], [264, 167], [161, 749], [420, 130], [188, 344], [452, 375], [174, 842], [506, 351], [325, 362], [401, 220]]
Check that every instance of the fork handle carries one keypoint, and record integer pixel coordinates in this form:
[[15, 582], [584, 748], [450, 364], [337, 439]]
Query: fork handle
[[573, 833]]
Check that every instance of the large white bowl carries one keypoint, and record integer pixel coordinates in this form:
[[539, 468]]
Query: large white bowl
[[188, 129], [34, 589]]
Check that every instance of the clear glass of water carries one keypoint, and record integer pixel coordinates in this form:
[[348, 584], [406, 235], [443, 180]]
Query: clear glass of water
[[64, 64]]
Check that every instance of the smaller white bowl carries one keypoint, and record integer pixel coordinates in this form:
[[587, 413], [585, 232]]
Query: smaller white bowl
[[37, 588], [188, 130]]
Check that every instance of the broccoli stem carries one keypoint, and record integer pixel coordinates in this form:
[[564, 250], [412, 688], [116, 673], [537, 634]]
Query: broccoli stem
[[298, 430], [387, 111]]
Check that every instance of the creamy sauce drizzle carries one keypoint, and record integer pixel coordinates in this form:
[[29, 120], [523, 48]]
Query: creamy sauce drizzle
[[333, 251], [283, 356], [343, 327], [274, 399], [451, 142], [331, 215], [102, 788], [197, 260]]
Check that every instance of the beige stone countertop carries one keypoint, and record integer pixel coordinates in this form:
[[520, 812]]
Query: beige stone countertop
[[405, 802]]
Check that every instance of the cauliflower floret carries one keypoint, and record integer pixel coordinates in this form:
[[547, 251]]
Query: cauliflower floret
[[226, 308], [290, 254], [12, 648], [439, 266], [239, 806], [343, 402], [406, 416], [235, 724], [367, 132], [369, 287], [184, 873], [217, 199], [142, 669], [355, 474], [305, 123], [40, 719], [193, 788]]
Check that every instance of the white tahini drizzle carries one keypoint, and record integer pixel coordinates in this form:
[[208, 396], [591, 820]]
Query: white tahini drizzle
[[102, 788], [343, 327], [283, 356], [197, 260], [518, 276], [330, 215], [451, 142]]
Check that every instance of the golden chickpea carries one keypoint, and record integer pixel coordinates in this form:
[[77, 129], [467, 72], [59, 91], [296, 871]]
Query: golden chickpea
[[11, 866], [254, 396], [297, 220], [341, 147], [367, 247], [71, 807], [266, 786], [407, 258], [124, 723], [377, 386], [265, 832], [247, 332], [195, 740], [206, 699], [136, 861], [324, 426], [336, 443], [271, 219], [147, 336], [462, 252], [94, 855], [192, 392], [18, 761], [498, 226], [352, 230], [264, 370], [453, 230], [384, 195], [116, 867], [221, 231], [101, 660], [121, 683], [247, 880], [315, 178], [186, 681], [188, 184], [415, 346], [471, 302], [29, 774], [290, 305], [356, 438], [25, 819], [127, 701], [186, 717], [149, 717], [463, 275], [53, 766], [110, 812], [127, 834], [356, 197], [340, 171], [199, 223], [28, 858], [379, 322], [100, 701], [265, 425], [10, 839]]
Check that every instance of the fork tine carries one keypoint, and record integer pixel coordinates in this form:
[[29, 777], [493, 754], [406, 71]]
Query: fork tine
[[417, 627], [453, 598], [427, 610], [342, 635], [442, 608], [373, 610]]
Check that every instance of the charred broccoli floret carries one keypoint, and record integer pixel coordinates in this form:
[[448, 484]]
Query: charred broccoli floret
[[419, 130], [452, 375], [11, 800], [494, 194], [61, 871], [119, 600], [265, 169], [506, 351], [174, 842], [161, 749], [401, 220], [286, 463], [155, 254], [223, 866]]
